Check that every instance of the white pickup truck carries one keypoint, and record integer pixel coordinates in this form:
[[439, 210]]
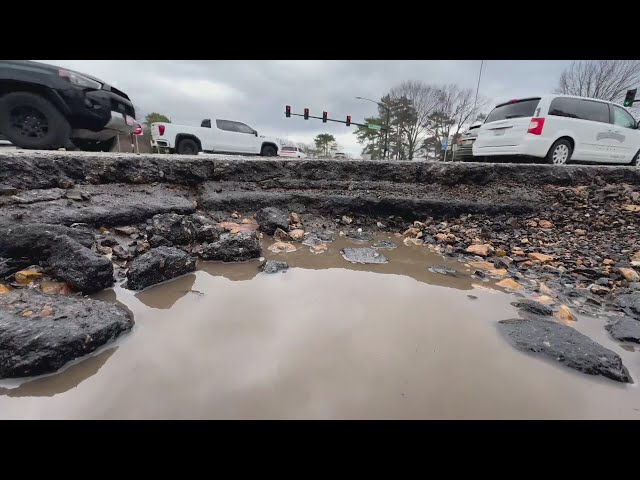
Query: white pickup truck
[[213, 136]]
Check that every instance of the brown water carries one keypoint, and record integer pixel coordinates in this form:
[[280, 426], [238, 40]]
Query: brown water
[[326, 339]]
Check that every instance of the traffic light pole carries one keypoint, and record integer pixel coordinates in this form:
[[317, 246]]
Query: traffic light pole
[[336, 121]]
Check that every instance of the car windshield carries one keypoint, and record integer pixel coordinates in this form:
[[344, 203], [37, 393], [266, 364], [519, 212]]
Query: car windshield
[[514, 109]]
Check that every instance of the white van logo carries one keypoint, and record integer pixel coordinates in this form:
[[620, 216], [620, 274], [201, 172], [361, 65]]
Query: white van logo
[[612, 135]]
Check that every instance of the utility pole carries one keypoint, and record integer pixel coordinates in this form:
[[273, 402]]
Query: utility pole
[[475, 102]]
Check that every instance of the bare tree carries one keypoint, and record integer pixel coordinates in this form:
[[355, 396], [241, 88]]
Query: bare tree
[[423, 100], [459, 106], [603, 79]]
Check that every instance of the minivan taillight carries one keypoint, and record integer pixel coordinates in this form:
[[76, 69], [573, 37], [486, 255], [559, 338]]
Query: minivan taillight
[[161, 130], [535, 127]]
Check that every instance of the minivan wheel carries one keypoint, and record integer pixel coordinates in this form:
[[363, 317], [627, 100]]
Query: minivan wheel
[[31, 121], [187, 147], [560, 152]]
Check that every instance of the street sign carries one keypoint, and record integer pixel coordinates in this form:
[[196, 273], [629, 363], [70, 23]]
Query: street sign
[[373, 126], [443, 145], [138, 130]]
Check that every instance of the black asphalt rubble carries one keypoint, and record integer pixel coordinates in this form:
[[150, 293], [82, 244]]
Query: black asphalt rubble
[[40, 333], [158, 265], [565, 345], [565, 232]]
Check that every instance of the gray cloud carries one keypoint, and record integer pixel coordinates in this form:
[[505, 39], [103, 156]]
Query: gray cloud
[[256, 91]]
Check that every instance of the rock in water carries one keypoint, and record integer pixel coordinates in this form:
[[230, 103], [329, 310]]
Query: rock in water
[[274, 266], [158, 265], [362, 255], [531, 306], [235, 247], [59, 330], [297, 234], [178, 229], [565, 345], [360, 236], [384, 245], [271, 218], [83, 269], [281, 235], [318, 238], [282, 247], [625, 330], [442, 270]]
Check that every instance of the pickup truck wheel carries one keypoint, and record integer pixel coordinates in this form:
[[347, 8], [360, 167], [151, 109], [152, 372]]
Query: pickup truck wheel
[[187, 147], [94, 145], [268, 151], [31, 121]]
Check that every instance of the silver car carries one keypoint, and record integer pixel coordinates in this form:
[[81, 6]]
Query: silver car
[[464, 152]]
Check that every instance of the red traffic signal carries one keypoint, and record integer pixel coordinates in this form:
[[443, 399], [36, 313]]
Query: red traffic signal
[[324, 117], [348, 120], [306, 114], [287, 111]]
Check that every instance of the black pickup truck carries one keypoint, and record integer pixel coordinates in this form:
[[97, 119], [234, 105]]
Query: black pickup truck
[[47, 107]]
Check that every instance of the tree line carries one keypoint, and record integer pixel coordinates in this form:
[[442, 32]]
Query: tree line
[[421, 118]]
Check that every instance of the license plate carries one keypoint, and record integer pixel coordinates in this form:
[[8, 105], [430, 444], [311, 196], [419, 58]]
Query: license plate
[[499, 132]]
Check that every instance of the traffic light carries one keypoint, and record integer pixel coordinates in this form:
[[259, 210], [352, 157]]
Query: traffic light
[[324, 117], [348, 120], [306, 114], [287, 111], [629, 99]]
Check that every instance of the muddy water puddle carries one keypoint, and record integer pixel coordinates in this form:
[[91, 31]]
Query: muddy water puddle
[[326, 339]]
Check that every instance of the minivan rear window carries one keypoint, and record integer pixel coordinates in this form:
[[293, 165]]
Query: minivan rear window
[[517, 109], [579, 108]]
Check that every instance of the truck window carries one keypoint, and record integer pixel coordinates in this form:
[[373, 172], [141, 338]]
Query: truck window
[[225, 125], [242, 128]]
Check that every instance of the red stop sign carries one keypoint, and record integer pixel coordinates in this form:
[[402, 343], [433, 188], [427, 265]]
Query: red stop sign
[[138, 130]]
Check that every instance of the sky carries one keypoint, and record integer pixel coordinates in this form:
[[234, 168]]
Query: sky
[[255, 92]]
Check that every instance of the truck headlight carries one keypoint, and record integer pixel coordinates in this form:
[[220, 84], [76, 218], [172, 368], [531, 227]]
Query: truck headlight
[[79, 80]]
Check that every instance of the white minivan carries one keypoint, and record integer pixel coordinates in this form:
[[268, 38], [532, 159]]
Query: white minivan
[[560, 128]]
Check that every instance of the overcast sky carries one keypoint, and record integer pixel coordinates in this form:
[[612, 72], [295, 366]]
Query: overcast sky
[[256, 91]]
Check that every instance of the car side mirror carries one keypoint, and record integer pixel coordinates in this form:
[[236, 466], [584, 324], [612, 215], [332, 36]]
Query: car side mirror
[[255, 133], [638, 125]]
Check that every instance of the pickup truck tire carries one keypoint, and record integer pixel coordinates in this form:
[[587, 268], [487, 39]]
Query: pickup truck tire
[[187, 147], [31, 121], [268, 151], [94, 145]]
